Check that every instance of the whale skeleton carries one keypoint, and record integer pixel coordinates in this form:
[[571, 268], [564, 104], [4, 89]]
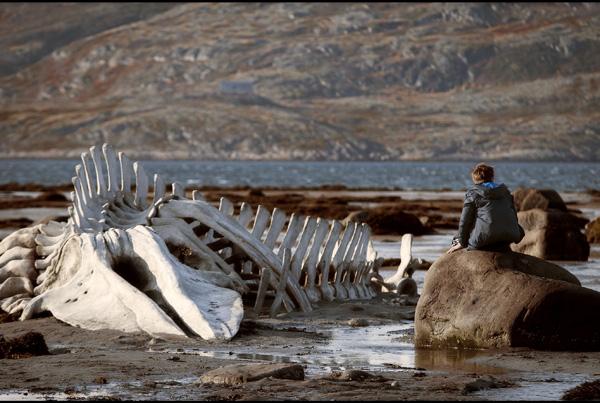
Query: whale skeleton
[[133, 260]]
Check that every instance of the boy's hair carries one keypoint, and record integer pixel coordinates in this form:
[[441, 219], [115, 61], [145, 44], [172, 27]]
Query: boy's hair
[[482, 173]]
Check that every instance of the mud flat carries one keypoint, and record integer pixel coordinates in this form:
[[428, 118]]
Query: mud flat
[[108, 364], [112, 365]]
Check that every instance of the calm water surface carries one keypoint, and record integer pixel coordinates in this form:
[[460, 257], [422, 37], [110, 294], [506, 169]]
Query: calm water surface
[[562, 176]]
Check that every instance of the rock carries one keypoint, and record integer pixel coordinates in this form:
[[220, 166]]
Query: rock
[[585, 391], [407, 286], [480, 299], [358, 322], [100, 380], [552, 235], [394, 261], [592, 231], [7, 317], [28, 345], [528, 198], [351, 375], [388, 221], [481, 384], [52, 196], [237, 374]]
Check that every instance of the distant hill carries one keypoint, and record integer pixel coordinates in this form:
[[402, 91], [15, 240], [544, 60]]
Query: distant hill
[[392, 81]]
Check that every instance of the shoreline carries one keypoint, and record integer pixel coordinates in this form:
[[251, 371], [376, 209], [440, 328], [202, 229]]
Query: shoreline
[[114, 365]]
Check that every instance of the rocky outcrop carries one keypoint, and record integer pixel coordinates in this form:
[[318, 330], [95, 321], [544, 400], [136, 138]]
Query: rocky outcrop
[[340, 81], [390, 221], [486, 300], [552, 235], [528, 198], [551, 231]]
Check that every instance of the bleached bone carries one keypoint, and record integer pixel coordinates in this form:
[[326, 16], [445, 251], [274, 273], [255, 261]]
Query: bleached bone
[[262, 289], [277, 222], [15, 285], [177, 190], [310, 225], [14, 304], [286, 269], [196, 195], [327, 290], [225, 206], [232, 230], [310, 263], [402, 282], [341, 292], [356, 264], [171, 265], [354, 259], [293, 230], [19, 268], [245, 214]]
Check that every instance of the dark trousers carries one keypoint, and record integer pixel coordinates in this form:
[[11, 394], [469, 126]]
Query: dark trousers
[[497, 247]]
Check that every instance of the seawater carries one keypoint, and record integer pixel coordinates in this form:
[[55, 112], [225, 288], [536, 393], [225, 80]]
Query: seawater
[[562, 176]]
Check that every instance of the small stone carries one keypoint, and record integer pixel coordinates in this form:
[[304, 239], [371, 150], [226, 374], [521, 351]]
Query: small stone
[[69, 390], [100, 380], [395, 384], [28, 345], [358, 322], [351, 375], [481, 384], [154, 341], [149, 384], [356, 375]]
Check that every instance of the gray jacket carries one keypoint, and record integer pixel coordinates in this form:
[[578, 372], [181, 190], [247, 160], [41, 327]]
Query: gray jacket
[[488, 218]]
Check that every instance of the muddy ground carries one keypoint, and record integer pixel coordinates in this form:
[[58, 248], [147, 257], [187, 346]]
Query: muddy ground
[[113, 365]]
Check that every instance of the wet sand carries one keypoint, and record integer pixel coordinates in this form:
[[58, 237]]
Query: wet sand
[[114, 365], [136, 366]]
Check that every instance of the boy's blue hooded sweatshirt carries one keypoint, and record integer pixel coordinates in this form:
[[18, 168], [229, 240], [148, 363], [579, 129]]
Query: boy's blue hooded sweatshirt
[[488, 217]]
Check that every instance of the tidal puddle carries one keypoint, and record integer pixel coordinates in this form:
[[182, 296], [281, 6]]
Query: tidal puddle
[[372, 348]]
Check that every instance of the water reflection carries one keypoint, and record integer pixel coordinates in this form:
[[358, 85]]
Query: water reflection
[[455, 360]]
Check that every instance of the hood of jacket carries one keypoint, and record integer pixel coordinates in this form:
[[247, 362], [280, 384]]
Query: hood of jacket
[[497, 192]]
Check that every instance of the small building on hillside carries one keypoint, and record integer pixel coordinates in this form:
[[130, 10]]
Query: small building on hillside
[[236, 87]]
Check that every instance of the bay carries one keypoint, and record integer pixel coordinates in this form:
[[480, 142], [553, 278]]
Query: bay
[[418, 175]]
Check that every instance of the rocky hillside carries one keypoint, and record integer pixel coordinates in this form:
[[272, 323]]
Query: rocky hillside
[[302, 81]]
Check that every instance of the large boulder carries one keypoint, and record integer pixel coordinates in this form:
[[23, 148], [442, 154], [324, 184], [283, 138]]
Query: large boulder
[[479, 299], [592, 231], [388, 221], [552, 235], [529, 198]]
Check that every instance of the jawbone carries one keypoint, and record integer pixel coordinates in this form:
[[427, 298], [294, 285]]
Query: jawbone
[[127, 280]]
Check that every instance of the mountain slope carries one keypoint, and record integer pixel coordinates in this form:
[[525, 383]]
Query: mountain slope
[[303, 81]]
